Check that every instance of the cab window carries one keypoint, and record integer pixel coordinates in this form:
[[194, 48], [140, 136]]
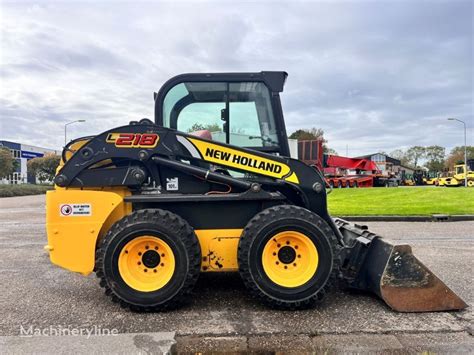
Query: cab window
[[236, 113]]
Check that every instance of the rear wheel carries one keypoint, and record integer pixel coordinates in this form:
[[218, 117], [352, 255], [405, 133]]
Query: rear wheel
[[288, 256], [149, 260], [470, 183]]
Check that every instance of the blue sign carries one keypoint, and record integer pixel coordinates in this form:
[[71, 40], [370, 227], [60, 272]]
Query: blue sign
[[31, 155]]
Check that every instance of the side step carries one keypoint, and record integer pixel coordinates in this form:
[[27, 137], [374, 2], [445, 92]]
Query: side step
[[393, 273]]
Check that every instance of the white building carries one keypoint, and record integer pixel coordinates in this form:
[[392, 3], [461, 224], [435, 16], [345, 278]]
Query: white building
[[22, 153]]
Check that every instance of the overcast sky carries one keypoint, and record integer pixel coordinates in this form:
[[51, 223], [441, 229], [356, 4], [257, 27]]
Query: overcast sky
[[375, 76]]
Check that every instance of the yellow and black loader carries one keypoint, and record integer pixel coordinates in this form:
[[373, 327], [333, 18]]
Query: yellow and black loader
[[209, 186]]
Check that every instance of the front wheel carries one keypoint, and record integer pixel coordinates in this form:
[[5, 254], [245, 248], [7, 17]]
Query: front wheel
[[287, 257], [149, 260]]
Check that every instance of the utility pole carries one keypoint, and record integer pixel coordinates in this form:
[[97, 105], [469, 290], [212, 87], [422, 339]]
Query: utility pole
[[65, 129]]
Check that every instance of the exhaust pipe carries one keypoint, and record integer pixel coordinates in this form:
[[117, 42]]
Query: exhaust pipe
[[393, 273]]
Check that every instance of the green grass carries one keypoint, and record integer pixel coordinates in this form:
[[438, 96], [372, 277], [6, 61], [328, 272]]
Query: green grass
[[23, 190], [403, 201]]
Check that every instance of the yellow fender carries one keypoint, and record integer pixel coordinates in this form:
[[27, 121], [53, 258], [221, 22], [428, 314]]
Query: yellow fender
[[76, 219]]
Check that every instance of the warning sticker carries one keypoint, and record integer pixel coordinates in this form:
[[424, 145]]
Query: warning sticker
[[172, 184], [76, 209]]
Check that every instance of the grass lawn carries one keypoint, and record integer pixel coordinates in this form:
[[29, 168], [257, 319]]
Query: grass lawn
[[23, 190], [406, 201]]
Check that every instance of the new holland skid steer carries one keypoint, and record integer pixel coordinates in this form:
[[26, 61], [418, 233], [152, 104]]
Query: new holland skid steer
[[210, 187]]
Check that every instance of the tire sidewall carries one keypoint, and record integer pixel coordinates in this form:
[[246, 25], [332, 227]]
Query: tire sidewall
[[121, 288], [312, 286]]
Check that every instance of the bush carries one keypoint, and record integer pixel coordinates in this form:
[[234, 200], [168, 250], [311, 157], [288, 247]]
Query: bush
[[23, 190]]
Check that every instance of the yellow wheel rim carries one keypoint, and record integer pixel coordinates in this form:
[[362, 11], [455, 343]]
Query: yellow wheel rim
[[146, 263], [470, 183], [290, 259]]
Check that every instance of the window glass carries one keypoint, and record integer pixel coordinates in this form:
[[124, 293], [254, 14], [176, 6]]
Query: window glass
[[172, 97], [203, 116], [194, 106], [251, 117]]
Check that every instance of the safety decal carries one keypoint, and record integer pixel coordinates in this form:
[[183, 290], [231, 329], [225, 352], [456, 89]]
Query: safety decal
[[75, 209], [133, 140]]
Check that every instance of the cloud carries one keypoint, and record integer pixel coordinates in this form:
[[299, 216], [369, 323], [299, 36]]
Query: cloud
[[374, 75]]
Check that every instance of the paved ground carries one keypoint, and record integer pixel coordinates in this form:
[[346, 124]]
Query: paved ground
[[221, 315]]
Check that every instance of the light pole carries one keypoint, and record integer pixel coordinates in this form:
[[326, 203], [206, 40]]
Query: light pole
[[65, 129], [465, 148]]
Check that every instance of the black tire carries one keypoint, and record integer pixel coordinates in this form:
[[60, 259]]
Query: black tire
[[178, 235], [261, 229]]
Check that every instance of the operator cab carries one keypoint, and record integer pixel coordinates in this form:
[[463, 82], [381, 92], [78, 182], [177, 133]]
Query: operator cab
[[241, 109]]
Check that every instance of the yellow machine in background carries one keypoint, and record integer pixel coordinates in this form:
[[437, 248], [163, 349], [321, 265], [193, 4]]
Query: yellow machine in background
[[459, 176]]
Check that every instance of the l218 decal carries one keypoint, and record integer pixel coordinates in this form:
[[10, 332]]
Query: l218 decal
[[133, 140]]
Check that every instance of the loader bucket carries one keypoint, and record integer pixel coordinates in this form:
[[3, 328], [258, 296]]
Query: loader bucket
[[394, 274]]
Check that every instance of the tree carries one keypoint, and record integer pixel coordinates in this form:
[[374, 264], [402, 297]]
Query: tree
[[401, 155], [456, 156], [435, 155], [330, 151], [414, 154], [44, 168], [213, 127], [310, 135], [7, 163]]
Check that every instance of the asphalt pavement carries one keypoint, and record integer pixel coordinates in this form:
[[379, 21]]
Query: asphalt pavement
[[221, 315]]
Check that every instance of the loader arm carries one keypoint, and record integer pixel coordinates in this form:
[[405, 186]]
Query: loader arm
[[140, 167]]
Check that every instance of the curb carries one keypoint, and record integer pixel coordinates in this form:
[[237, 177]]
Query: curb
[[432, 218]]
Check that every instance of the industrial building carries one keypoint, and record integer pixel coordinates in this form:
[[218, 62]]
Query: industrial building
[[388, 164], [22, 153]]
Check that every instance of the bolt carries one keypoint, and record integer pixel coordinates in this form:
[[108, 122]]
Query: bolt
[[296, 247], [294, 264], [277, 263], [154, 270], [299, 256], [139, 253], [126, 251], [274, 254], [287, 242], [163, 255], [286, 267], [156, 248], [162, 264], [147, 247], [145, 270], [278, 245], [139, 263]]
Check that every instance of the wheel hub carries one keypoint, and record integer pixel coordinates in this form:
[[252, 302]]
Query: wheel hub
[[151, 259], [146, 263], [290, 259], [287, 255]]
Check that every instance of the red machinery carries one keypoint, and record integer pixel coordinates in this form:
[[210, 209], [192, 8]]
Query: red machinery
[[337, 170]]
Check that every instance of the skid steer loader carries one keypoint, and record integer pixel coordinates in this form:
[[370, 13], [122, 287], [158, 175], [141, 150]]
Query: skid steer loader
[[210, 187]]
